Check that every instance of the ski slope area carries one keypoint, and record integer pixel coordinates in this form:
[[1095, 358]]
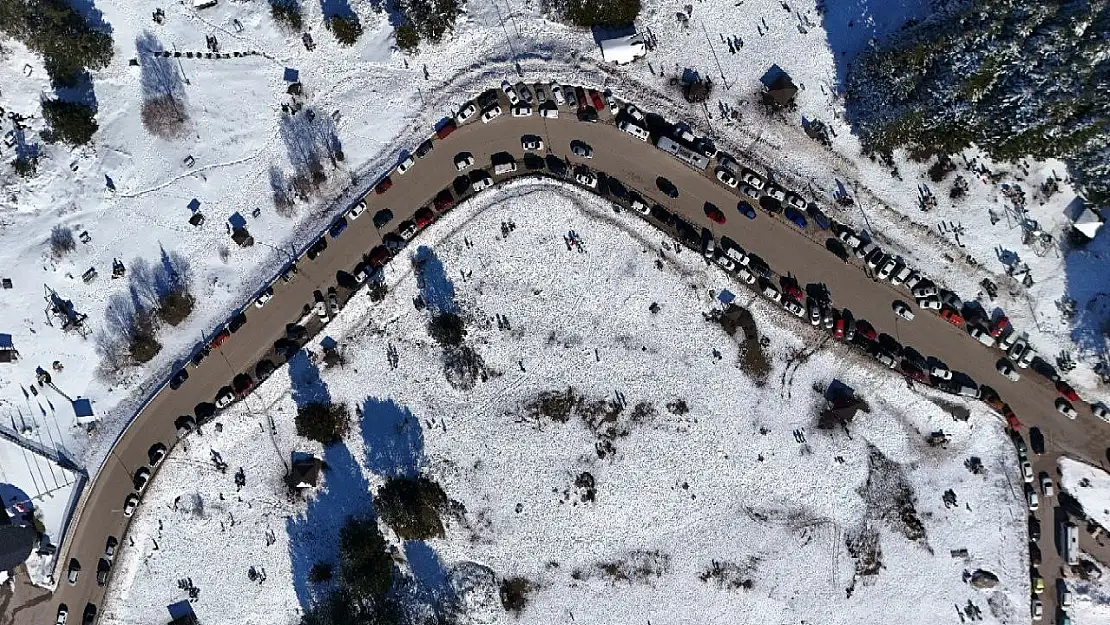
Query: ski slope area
[[716, 475]]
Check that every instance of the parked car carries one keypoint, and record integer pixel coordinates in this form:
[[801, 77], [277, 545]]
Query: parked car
[[89, 616], [1034, 528], [887, 268], [156, 454], [1100, 411], [902, 310], [999, 325], [382, 217], [491, 114], [130, 502], [1034, 504], [264, 297], [1046, 485], [795, 217], [63, 614], [383, 185], [726, 177], [466, 112], [746, 209], [242, 384], [110, 546], [407, 229], [582, 150], [73, 571], [940, 371], [752, 179], [1065, 408], [1007, 370], [178, 379], [264, 369], [1037, 609], [333, 301], [794, 308], [481, 183], [771, 293], [225, 397], [953, 317], [1066, 390], [531, 142], [981, 335], [586, 179], [557, 94], [406, 164], [317, 248], [141, 479], [525, 92], [521, 110], [510, 92], [1027, 472]]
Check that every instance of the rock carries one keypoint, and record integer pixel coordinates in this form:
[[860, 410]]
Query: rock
[[983, 579]]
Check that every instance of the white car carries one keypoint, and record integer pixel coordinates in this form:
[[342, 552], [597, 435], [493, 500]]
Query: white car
[[549, 112], [557, 94], [481, 183], [63, 615], [534, 144], [739, 255], [928, 290], [129, 504], [264, 297], [635, 130], [1038, 610], [902, 310], [929, 303], [746, 276], [776, 193], [491, 114], [224, 400], [772, 293], [981, 335], [898, 277], [464, 161], [1031, 497], [466, 112], [1027, 472], [634, 113], [510, 92], [1065, 408], [357, 210], [710, 248], [887, 268], [1100, 411], [1007, 370], [1018, 349], [795, 308], [522, 110], [726, 263], [407, 230], [940, 372], [1027, 358], [586, 179], [753, 180], [405, 165], [726, 177], [1046, 486], [913, 279]]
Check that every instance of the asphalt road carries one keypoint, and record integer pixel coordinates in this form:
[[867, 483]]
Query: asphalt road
[[636, 165]]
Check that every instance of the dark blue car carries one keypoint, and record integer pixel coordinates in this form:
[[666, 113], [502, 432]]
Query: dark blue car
[[818, 217], [338, 227], [746, 210], [795, 217]]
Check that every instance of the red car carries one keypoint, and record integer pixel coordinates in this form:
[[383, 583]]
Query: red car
[[998, 326], [242, 384], [951, 316], [1011, 418], [715, 214], [383, 186], [379, 256], [865, 328], [424, 218], [443, 201], [595, 97], [446, 129], [220, 337], [1067, 391], [794, 292], [839, 327]]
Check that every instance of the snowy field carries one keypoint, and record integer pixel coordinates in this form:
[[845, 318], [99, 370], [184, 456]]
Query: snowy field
[[132, 193], [721, 467], [1090, 486]]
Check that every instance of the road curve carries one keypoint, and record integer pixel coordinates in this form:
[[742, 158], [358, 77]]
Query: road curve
[[636, 164]]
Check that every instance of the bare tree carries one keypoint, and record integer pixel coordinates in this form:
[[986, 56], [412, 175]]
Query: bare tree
[[61, 240], [163, 112]]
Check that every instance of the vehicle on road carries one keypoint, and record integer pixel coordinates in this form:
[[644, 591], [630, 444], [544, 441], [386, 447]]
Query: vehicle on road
[[178, 379], [667, 187], [225, 397], [581, 149], [726, 177], [264, 297], [156, 454], [746, 209], [130, 502], [1027, 472], [405, 165], [714, 213], [586, 179], [1065, 408], [73, 572], [795, 217], [63, 614], [510, 92], [110, 546], [103, 567], [317, 248], [1066, 390], [902, 310], [532, 143], [1007, 370], [522, 110], [466, 112], [635, 130], [464, 161], [1046, 485], [491, 114], [89, 616]]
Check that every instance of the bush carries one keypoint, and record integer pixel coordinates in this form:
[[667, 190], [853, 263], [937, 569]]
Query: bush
[[604, 13], [144, 344], [52, 28], [25, 167], [411, 506], [61, 240], [70, 122], [347, 30], [365, 563], [323, 422], [287, 12], [515, 593], [164, 116], [175, 306], [447, 329], [407, 38]]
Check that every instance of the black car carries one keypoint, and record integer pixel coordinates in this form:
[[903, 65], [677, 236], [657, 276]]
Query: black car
[[264, 369], [532, 162], [90, 614], [487, 98], [1034, 529], [238, 321], [382, 217], [759, 267], [394, 241], [185, 424], [199, 355], [424, 148], [661, 214], [667, 187], [156, 454], [102, 569], [178, 379], [204, 411], [1036, 440], [286, 347], [1034, 554], [317, 248]]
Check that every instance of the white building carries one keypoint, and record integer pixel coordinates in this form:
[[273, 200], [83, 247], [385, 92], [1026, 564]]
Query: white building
[[623, 50]]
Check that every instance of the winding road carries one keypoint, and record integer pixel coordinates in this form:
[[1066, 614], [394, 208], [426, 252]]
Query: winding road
[[635, 164]]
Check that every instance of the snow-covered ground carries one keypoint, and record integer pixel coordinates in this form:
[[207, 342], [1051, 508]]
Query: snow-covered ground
[[715, 466], [1090, 486]]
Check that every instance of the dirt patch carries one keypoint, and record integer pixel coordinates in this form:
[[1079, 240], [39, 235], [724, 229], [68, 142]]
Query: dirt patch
[[607, 418], [635, 567], [890, 497], [731, 575], [739, 323], [864, 547]]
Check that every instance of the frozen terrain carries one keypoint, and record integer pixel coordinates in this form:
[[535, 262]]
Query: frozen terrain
[[728, 473], [1090, 486]]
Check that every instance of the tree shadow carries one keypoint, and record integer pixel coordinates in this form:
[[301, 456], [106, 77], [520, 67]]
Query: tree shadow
[[309, 139], [427, 596], [852, 25], [92, 15], [393, 437], [336, 8], [306, 385], [158, 74], [436, 289], [80, 91]]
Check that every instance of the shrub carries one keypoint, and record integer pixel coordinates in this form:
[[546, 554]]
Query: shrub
[[144, 344], [407, 38], [24, 166], [447, 329], [287, 13], [365, 563], [604, 13], [175, 306], [346, 29], [61, 240], [515, 593], [164, 116], [70, 122], [411, 506], [323, 422]]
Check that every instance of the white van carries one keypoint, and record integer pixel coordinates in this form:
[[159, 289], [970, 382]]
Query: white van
[[504, 168], [639, 132]]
